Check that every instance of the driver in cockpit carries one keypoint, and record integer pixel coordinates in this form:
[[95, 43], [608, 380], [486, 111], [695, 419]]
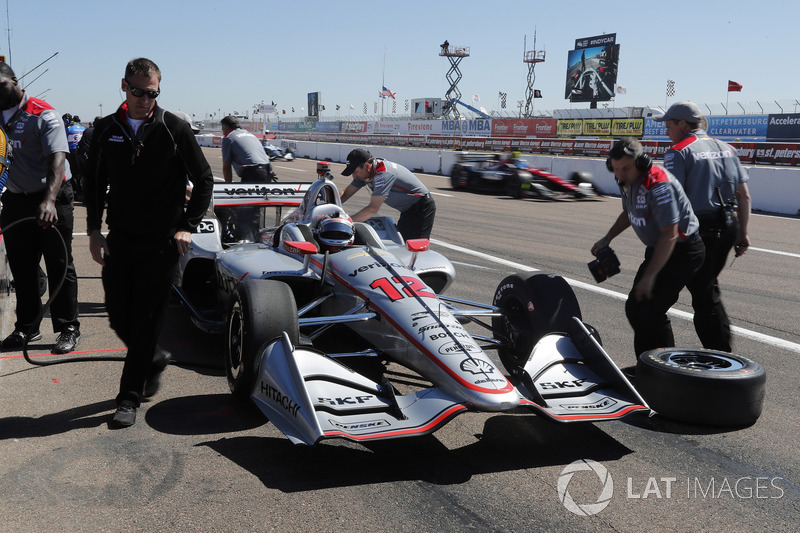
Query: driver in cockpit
[[333, 232]]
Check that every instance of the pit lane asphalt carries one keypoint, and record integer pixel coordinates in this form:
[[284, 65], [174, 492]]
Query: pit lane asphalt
[[197, 461]]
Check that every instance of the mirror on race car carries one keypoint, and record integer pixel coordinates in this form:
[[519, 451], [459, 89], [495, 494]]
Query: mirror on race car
[[418, 245], [300, 247]]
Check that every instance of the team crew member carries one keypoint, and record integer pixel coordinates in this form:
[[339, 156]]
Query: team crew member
[[654, 203], [142, 155], [37, 187], [716, 184], [242, 151], [397, 187]]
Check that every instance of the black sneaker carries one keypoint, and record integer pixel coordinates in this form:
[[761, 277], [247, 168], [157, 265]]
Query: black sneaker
[[125, 416], [17, 339], [67, 341], [160, 362]]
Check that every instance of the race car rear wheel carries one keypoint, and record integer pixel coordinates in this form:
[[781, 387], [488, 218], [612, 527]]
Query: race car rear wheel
[[514, 185], [261, 311], [532, 304], [702, 386], [458, 177]]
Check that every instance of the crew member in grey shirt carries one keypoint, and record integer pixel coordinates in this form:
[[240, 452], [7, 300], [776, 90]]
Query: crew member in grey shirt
[[243, 152]]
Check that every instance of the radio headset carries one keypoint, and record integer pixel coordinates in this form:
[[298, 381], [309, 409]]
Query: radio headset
[[642, 161]]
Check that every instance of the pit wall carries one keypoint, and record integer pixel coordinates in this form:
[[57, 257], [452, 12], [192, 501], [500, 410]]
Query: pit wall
[[773, 189]]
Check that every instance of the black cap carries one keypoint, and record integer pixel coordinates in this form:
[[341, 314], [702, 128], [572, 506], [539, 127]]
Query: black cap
[[355, 159]]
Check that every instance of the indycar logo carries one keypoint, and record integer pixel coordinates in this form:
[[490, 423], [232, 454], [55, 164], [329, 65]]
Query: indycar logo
[[281, 399]]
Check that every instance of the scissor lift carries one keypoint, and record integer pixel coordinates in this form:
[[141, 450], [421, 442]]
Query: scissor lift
[[454, 54]]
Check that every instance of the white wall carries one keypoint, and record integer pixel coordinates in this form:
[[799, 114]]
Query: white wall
[[773, 189]]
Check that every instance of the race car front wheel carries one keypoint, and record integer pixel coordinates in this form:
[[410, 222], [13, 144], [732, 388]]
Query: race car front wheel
[[704, 387], [458, 177], [532, 304], [261, 311]]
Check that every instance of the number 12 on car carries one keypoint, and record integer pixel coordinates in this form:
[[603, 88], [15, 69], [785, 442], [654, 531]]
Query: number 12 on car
[[395, 290]]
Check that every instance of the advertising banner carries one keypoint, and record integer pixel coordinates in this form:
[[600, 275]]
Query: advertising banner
[[354, 127], [595, 126], [557, 146], [569, 127], [738, 127], [476, 127], [329, 127], [498, 145], [783, 127], [592, 147], [531, 146], [523, 127], [621, 127], [778, 154], [423, 127]]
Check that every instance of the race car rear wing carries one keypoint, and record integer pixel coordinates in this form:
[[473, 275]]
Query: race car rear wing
[[259, 194]]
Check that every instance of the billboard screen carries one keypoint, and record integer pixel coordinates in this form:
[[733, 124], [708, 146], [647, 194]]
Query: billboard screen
[[313, 104], [592, 69]]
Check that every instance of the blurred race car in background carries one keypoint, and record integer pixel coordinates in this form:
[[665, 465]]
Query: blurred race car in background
[[511, 175], [277, 152]]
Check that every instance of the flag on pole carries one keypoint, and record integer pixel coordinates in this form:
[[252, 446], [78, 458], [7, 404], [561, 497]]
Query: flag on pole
[[619, 89], [734, 87], [386, 92], [670, 88], [503, 97]]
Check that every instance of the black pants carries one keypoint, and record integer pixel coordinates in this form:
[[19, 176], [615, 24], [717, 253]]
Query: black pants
[[137, 278], [710, 318], [26, 243], [651, 325], [257, 174], [416, 222]]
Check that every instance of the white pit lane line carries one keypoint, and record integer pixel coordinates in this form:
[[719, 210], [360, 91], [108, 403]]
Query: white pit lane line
[[746, 333]]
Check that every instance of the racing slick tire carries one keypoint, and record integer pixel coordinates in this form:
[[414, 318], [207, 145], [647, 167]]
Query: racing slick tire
[[261, 311], [532, 304], [458, 177], [514, 185], [704, 387]]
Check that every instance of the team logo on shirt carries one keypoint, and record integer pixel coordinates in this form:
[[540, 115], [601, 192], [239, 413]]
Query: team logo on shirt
[[116, 139]]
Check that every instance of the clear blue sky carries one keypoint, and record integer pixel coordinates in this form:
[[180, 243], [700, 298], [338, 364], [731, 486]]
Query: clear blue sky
[[226, 56]]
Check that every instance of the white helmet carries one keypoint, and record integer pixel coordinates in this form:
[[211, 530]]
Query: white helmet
[[333, 234]]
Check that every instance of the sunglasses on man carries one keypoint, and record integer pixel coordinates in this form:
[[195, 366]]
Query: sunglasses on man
[[138, 93]]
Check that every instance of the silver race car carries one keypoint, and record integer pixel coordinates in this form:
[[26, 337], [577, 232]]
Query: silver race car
[[341, 329]]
